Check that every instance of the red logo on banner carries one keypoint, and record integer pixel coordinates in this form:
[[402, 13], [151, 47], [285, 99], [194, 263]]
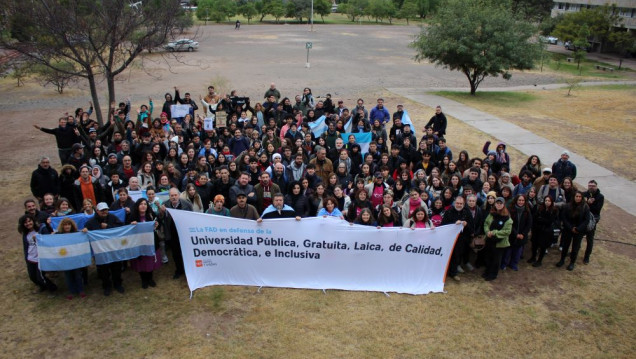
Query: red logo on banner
[[199, 263]]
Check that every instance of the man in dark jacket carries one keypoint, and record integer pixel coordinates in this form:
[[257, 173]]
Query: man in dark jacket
[[564, 168], [438, 122], [110, 273], [460, 215], [595, 200], [172, 236], [65, 136], [44, 180], [479, 217]]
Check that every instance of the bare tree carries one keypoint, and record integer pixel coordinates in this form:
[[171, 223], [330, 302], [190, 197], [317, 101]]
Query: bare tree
[[100, 38]]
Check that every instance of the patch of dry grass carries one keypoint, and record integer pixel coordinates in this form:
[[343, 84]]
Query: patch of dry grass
[[596, 122]]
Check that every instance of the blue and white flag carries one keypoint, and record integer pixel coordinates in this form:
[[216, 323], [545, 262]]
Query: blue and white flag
[[319, 126], [347, 126], [57, 252], [81, 218], [362, 138], [123, 243], [406, 120]]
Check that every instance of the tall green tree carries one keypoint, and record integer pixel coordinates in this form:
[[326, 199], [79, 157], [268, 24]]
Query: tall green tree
[[480, 38], [427, 7], [322, 8], [298, 9], [532, 10], [248, 10], [598, 21], [408, 9], [100, 39], [216, 10]]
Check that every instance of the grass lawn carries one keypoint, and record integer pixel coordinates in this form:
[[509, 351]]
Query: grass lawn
[[537, 312], [333, 18], [597, 122], [556, 62]]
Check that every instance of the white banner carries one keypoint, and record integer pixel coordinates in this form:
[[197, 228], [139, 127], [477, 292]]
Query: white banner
[[314, 253], [179, 110], [208, 123]]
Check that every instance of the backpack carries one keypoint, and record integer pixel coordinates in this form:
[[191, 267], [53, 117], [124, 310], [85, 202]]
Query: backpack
[[591, 222]]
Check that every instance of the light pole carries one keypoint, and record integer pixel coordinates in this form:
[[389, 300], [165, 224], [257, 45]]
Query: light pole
[[312, 16]]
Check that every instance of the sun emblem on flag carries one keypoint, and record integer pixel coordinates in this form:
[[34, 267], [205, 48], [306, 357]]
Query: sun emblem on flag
[[63, 252], [124, 242]]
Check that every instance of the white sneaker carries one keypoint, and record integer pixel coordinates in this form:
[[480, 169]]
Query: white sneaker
[[164, 259], [469, 267], [460, 269], [560, 249]]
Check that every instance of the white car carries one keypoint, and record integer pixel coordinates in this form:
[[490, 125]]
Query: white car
[[552, 40], [182, 45]]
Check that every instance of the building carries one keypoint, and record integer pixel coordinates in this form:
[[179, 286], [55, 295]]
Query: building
[[626, 9]]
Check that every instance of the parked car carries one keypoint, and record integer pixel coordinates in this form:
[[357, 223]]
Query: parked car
[[182, 45], [570, 46], [552, 40]]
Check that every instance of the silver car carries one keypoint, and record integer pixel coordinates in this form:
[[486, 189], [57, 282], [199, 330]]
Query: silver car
[[182, 45]]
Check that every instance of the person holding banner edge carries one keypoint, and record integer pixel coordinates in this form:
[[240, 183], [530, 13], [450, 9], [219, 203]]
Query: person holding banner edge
[[172, 236]]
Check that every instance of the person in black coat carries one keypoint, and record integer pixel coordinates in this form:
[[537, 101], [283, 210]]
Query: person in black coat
[[544, 220], [458, 213], [172, 236], [479, 216], [110, 273], [438, 122], [44, 180], [595, 201], [521, 225], [296, 200], [575, 217]]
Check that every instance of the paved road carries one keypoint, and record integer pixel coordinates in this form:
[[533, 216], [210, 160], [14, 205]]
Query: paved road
[[616, 189]]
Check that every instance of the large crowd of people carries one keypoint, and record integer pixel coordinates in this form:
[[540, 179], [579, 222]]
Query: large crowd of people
[[230, 156]]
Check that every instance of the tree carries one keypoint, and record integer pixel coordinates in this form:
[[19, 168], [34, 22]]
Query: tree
[[322, 8], [51, 76], [426, 7], [625, 43], [532, 10], [248, 10], [407, 10], [216, 10], [355, 8], [299, 9], [598, 22], [99, 38], [479, 38], [277, 9], [380, 9]]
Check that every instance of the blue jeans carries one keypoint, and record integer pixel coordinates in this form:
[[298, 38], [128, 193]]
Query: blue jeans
[[74, 281]]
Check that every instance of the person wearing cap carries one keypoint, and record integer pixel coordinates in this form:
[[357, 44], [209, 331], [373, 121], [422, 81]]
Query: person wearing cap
[[242, 209], [563, 167], [217, 207], [77, 157], [376, 189], [543, 179], [497, 226], [110, 273], [438, 122], [86, 187]]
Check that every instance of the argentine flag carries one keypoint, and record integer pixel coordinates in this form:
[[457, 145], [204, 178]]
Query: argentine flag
[[362, 138], [58, 252], [123, 243], [406, 120], [319, 126], [81, 218]]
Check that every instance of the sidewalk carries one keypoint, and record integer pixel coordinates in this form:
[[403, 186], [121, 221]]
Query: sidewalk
[[616, 189]]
